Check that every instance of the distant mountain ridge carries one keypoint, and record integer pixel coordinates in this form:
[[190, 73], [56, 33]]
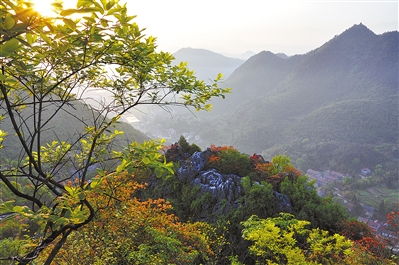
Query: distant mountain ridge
[[243, 56], [343, 92], [207, 64], [352, 78]]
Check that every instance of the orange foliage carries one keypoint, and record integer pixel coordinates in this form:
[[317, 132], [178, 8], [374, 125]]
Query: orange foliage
[[264, 173], [263, 168], [125, 225], [215, 148], [213, 158]]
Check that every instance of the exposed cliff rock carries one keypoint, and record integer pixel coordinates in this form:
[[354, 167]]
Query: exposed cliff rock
[[222, 190], [225, 190]]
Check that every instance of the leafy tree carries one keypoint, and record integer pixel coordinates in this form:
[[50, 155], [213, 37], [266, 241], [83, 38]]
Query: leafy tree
[[228, 160], [286, 240], [276, 171], [308, 205], [47, 64], [365, 240], [393, 222], [258, 200], [186, 147]]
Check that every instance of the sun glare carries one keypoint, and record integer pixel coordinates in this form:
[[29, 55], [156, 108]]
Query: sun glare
[[43, 7]]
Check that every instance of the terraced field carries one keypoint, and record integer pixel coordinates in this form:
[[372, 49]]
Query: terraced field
[[373, 196]]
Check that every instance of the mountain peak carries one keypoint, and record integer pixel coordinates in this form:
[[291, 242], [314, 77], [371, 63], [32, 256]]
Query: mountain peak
[[265, 55], [358, 31]]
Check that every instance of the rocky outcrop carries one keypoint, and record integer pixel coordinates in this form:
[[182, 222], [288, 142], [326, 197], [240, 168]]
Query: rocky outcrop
[[222, 187], [283, 202], [225, 190]]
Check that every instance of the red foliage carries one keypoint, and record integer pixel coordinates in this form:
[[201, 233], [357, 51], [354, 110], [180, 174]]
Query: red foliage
[[393, 220], [355, 230], [256, 159], [364, 237]]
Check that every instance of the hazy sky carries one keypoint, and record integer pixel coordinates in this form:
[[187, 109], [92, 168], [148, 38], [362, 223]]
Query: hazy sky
[[236, 26]]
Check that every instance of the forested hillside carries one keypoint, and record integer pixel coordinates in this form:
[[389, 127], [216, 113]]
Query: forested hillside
[[344, 92], [212, 210]]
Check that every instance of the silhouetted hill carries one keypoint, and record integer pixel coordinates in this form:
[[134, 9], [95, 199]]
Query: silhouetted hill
[[206, 64]]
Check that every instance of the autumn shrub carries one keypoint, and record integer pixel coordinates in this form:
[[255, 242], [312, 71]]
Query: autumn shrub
[[228, 160], [127, 230], [275, 241]]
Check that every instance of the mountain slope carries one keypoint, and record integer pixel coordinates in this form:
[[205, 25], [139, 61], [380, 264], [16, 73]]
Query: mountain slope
[[308, 106], [345, 91], [248, 80], [206, 64]]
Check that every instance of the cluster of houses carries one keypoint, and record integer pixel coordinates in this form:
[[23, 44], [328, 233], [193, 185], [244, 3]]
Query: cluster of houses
[[324, 178], [331, 176], [382, 229]]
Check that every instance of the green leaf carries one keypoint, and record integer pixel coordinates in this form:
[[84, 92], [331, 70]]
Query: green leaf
[[30, 38], [95, 182], [146, 160], [7, 206], [90, 20], [8, 47], [57, 5], [100, 172], [81, 3], [46, 38], [49, 26], [61, 221], [70, 190], [2, 79], [104, 23], [68, 12], [18, 209], [122, 166], [90, 9], [8, 22], [114, 10], [81, 196], [70, 23]]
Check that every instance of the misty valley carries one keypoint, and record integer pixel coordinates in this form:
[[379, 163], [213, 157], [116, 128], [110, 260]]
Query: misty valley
[[334, 109]]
